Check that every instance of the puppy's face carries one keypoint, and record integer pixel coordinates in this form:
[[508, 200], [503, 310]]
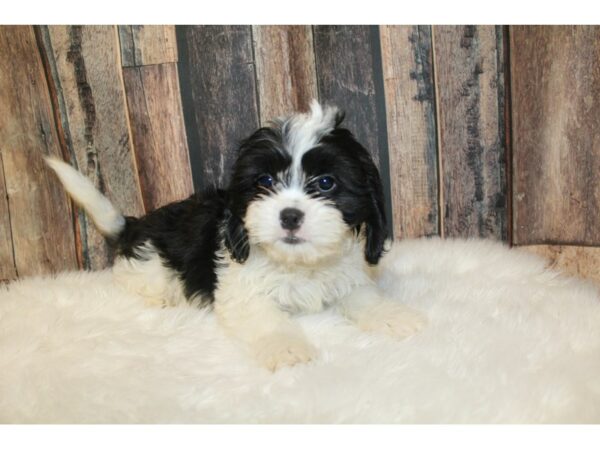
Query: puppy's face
[[302, 186]]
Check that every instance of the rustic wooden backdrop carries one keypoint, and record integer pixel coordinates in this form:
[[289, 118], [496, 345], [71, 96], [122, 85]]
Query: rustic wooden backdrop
[[479, 131]]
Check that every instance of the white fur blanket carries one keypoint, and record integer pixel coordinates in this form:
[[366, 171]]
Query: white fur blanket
[[507, 341]]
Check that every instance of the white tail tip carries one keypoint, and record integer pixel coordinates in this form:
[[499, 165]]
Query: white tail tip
[[107, 218]]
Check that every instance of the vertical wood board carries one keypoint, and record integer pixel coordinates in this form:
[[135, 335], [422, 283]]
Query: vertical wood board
[[216, 70], [143, 45], [158, 132], [7, 261], [469, 68], [285, 69], [40, 216], [556, 118], [411, 126]]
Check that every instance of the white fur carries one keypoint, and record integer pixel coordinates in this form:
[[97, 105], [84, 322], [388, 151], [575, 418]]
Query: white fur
[[106, 217], [253, 300], [508, 341], [148, 276], [323, 229]]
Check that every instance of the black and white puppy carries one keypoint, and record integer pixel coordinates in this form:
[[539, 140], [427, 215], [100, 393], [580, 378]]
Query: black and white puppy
[[300, 227]]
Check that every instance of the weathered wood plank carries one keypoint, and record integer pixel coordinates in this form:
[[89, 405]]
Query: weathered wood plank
[[88, 78], [469, 68], [143, 45], [410, 105], [40, 216], [577, 261], [216, 72], [7, 261], [158, 133], [556, 118], [285, 69], [346, 77]]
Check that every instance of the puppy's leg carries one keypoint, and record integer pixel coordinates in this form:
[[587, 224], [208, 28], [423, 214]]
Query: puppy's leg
[[274, 339], [371, 311]]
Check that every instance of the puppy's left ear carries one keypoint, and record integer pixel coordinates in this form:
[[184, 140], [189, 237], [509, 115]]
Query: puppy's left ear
[[376, 231], [236, 238]]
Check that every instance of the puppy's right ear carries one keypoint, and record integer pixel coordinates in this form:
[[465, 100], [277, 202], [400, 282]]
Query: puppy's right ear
[[236, 238]]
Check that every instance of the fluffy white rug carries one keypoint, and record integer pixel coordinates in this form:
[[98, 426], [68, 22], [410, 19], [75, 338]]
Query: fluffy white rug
[[508, 341]]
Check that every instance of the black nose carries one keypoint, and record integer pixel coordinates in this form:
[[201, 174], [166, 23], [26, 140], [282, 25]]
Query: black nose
[[291, 218]]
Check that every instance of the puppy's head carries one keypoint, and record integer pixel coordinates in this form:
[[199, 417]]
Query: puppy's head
[[300, 188]]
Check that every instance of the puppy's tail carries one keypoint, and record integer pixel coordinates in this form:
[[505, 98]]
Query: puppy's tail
[[109, 221]]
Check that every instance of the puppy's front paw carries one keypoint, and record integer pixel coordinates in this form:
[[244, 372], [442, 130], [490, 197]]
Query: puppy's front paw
[[393, 319], [280, 349]]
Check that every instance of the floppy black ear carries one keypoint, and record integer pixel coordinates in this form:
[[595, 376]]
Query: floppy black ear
[[236, 238], [376, 231]]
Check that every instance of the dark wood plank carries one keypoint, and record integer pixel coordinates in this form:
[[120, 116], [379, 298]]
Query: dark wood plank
[[8, 270], [39, 211], [469, 68], [87, 77], [410, 105], [143, 45], [285, 69], [346, 77], [556, 118], [158, 131], [216, 69]]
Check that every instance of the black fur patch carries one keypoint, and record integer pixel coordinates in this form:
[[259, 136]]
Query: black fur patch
[[186, 236], [358, 193]]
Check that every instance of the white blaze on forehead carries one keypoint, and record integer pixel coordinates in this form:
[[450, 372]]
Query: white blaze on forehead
[[302, 132]]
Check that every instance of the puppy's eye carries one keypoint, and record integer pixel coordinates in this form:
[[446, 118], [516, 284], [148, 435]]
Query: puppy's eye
[[265, 181], [326, 183]]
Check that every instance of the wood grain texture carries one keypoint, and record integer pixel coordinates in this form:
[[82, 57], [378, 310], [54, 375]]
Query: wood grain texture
[[344, 57], [556, 118], [583, 262], [410, 105], [143, 45], [469, 67], [219, 97], [40, 216], [8, 270], [285, 69], [158, 131], [88, 78]]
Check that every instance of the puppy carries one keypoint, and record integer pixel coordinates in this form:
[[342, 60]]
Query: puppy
[[300, 228]]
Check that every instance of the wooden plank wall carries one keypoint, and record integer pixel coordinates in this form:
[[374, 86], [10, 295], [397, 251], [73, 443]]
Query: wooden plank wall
[[151, 113], [555, 76], [112, 110], [39, 214]]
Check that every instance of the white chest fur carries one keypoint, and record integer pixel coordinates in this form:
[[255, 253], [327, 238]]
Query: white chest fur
[[296, 289]]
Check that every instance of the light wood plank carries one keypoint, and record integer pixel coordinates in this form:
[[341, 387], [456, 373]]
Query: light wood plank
[[143, 45], [89, 79], [556, 118], [469, 68], [40, 216], [7, 261], [573, 260], [158, 130], [219, 97], [410, 106], [285, 69]]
